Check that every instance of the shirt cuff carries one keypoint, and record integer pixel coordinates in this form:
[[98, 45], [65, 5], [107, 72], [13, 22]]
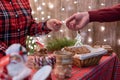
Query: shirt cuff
[[44, 26], [94, 16]]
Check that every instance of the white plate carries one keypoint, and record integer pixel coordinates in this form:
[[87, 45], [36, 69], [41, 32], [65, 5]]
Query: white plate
[[43, 73]]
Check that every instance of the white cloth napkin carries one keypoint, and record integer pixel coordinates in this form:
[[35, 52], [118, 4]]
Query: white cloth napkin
[[93, 52]]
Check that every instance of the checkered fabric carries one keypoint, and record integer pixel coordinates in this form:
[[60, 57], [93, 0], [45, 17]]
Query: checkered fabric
[[107, 69], [16, 22]]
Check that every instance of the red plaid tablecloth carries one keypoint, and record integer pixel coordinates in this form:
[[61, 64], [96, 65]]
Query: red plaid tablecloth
[[108, 69]]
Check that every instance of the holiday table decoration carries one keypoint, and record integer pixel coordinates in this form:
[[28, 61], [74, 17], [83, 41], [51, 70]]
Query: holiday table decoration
[[59, 43], [40, 58], [79, 39]]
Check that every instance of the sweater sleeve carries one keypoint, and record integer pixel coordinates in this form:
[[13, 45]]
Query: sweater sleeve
[[105, 15], [38, 28]]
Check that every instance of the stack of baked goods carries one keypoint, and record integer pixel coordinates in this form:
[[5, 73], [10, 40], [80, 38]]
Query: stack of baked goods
[[107, 47], [77, 50], [63, 66], [86, 55]]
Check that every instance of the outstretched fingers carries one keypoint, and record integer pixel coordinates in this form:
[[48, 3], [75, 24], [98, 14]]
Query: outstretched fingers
[[71, 18]]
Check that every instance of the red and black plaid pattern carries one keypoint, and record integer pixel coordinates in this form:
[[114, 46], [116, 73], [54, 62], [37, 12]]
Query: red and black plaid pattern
[[16, 22], [107, 69]]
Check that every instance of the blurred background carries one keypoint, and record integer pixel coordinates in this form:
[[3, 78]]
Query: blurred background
[[104, 33]]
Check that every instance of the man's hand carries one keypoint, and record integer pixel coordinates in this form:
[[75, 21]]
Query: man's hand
[[77, 21]]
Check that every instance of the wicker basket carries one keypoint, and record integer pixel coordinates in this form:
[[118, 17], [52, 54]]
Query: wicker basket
[[87, 62], [83, 57]]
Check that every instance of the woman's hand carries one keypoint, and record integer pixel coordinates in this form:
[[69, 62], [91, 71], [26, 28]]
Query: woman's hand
[[53, 24]]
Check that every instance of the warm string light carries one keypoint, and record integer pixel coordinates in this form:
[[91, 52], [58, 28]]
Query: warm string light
[[105, 40], [75, 2], [118, 41], [33, 12], [63, 24], [39, 8], [49, 36], [42, 12], [32, 42], [102, 4], [36, 19], [63, 21], [48, 16], [61, 31], [43, 3], [102, 28], [43, 18], [89, 39], [35, 0], [63, 9], [89, 30], [50, 5], [89, 7]]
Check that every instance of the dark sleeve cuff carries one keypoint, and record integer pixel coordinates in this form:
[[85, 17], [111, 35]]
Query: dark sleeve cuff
[[94, 16], [44, 26]]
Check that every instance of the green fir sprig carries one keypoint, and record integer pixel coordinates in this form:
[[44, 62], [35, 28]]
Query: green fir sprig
[[58, 44]]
